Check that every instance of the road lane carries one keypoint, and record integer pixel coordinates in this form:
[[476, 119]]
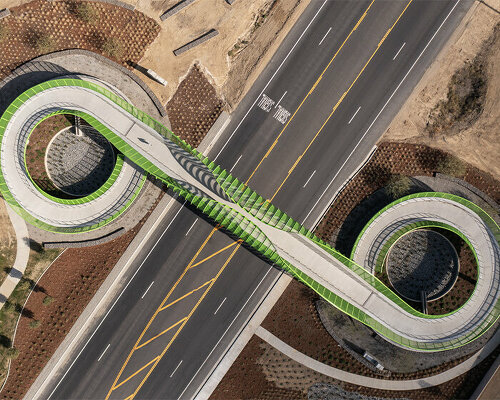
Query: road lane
[[236, 283]]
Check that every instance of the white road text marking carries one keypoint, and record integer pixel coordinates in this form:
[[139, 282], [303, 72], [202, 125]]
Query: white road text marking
[[178, 365], [106, 349], [149, 287], [266, 103], [270, 80], [281, 115], [220, 305], [359, 108], [309, 178], [399, 51], [326, 34]]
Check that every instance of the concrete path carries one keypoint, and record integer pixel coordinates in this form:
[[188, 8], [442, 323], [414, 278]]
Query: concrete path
[[384, 384], [22, 256]]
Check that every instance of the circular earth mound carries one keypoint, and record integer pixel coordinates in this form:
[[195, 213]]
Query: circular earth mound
[[79, 164], [422, 261]]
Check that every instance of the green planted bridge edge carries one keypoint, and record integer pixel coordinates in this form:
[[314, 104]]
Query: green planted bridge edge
[[258, 207]]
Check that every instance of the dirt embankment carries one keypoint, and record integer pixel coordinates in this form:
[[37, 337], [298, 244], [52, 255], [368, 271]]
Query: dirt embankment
[[249, 33], [456, 106]]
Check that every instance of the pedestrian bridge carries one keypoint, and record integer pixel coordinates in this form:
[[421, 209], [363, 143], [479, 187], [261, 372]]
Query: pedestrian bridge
[[345, 283]]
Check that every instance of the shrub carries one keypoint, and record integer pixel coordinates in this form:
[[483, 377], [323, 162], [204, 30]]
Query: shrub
[[41, 42], [398, 186], [112, 47], [87, 13], [11, 352], [34, 324], [47, 300], [452, 166]]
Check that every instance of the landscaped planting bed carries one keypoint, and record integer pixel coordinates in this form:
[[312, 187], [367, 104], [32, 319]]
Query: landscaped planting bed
[[36, 151], [41, 27], [70, 282], [194, 108]]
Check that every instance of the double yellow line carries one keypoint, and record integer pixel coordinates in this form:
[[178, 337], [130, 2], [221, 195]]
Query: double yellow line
[[180, 324]]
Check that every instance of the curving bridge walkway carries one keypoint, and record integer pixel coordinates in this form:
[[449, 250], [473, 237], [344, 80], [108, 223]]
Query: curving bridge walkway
[[269, 231]]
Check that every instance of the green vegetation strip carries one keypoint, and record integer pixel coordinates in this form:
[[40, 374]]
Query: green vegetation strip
[[261, 209]]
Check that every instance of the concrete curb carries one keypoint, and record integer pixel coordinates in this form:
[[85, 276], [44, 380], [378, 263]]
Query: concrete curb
[[214, 133], [384, 384], [102, 300], [22, 256]]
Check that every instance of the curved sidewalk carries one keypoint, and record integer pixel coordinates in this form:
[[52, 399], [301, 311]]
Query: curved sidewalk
[[384, 384], [22, 256]]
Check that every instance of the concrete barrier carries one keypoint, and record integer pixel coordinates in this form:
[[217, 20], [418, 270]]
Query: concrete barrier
[[175, 9], [199, 40], [4, 13]]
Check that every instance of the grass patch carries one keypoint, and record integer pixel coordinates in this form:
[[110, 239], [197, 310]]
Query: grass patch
[[112, 47], [87, 13], [453, 166], [398, 186]]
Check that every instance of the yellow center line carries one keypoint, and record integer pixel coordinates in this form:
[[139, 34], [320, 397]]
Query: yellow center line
[[158, 309], [340, 100], [186, 295], [213, 255], [136, 372], [187, 319], [213, 231], [310, 91], [161, 333]]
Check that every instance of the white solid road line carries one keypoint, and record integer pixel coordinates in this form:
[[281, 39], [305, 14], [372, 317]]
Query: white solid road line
[[178, 365], [149, 287], [382, 109], [309, 178], [237, 161], [220, 305], [272, 77], [118, 298], [281, 98], [359, 108], [399, 51], [189, 230], [106, 349], [326, 34]]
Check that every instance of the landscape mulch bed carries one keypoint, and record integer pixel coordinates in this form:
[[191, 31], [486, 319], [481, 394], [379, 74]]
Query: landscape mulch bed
[[44, 26], [389, 159], [247, 379], [294, 318], [71, 281], [194, 108], [36, 150]]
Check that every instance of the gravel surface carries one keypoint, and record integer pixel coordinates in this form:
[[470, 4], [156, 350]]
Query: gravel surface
[[79, 165], [422, 261]]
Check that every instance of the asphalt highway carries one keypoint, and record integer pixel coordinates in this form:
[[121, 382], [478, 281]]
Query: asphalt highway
[[314, 114]]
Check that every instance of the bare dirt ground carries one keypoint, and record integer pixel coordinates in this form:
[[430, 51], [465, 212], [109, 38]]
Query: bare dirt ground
[[479, 142], [249, 33]]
